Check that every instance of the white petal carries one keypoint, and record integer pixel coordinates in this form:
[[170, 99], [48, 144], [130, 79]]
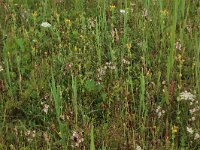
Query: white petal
[[46, 24]]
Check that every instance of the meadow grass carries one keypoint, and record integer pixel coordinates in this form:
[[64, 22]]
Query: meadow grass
[[99, 74]]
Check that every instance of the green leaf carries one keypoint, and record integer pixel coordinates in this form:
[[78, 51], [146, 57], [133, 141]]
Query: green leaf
[[90, 85], [20, 43]]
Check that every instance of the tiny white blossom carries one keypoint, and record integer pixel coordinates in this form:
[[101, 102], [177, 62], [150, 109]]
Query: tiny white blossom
[[190, 130], [193, 110], [159, 114], [126, 62], [193, 118], [158, 109], [74, 135], [145, 13], [138, 147], [196, 136], [27, 133], [46, 24], [123, 11], [178, 45], [77, 138], [33, 133], [1, 68], [112, 67], [45, 108], [108, 63]]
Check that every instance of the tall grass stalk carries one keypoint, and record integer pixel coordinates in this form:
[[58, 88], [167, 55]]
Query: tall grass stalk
[[170, 57], [57, 97], [55, 91], [142, 105], [92, 146], [98, 40], [74, 97], [197, 66]]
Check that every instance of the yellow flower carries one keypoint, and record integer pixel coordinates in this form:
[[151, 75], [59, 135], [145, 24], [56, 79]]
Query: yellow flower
[[164, 13], [193, 64], [174, 129], [128, 45], [149, 72], [82, 37], [33, 49], [68, 22], [112, 7], [35, 14]]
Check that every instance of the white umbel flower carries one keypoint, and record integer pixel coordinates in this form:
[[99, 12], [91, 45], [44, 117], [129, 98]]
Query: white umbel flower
[[45, 24], [187, 96]]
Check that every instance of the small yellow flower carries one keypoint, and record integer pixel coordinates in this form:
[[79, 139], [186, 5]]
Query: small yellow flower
[[35, 14], [128, 45], [79, 67], [174, 129], [193, 64], [33, 49], [164, 13], [179, 57], [68, 22], [112, 7], [81, 36], [149, 73]]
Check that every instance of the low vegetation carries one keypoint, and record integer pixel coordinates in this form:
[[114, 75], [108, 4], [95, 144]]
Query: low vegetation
[[99, 74]]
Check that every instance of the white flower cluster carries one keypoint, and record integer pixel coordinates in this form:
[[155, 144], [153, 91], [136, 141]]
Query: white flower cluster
[[45, 107], [102, 71], [159, 111], [191, 99], [191, 131], [187, 96], [126, 62], [77, 139], [109, 65], [30, 134], [178, 45]]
